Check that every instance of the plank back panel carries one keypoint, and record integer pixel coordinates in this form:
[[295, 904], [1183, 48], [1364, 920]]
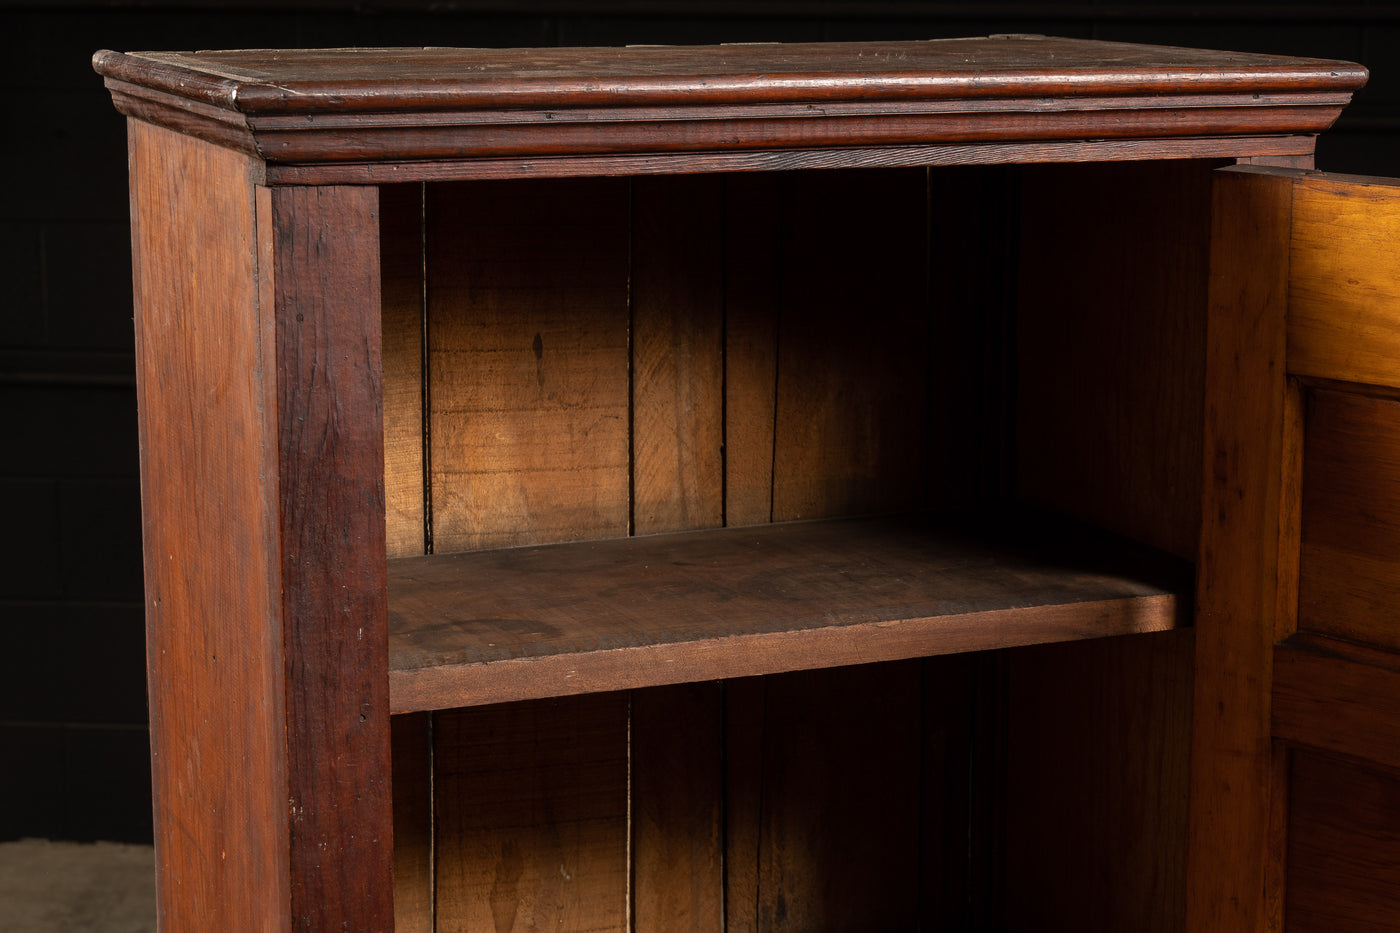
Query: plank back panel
[[852, 345], [1349, 583], [528, 362], [531, 802], [1344, 281], [1343, 847], [208, 481], [401, 309]]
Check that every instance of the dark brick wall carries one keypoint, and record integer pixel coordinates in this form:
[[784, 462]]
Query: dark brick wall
[[73, 744]]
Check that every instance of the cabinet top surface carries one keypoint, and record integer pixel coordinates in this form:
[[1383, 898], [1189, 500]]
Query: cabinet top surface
[[305, 81], [374, 115]]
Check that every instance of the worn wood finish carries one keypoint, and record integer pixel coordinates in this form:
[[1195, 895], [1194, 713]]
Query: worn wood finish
[[411, 746], [752, 299], [851, 407], [1238, 571], [1339, 697], [1109, 374], [206, 393], [531, 802], [1344, 283], [840, 833], [1094, 770], [1350, 564], [528, 362], [401, 301], [677, 302], [745, 723], [1344, 847], [480, 627], [677, 792], [404, 107], [332, 541]]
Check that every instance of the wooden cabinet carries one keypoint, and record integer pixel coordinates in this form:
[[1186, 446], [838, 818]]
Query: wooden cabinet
[[695, 488]]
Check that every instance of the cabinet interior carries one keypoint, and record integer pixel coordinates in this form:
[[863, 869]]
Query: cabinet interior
[[575, 360]]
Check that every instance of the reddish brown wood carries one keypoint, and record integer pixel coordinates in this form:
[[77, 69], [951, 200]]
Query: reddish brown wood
[[404, 106], [413, 823], [324, 259], [1340, 697], [215, 652], [1344, 847], [481, 628], [1238, 573]]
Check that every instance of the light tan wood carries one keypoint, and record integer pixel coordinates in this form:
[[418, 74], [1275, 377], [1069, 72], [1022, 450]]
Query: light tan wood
[[1344, 283], [677, 354], [851, 405], [1344, 847], [531, 805], [401, 307], [1238, 570], [528, 362], [1350, 585]]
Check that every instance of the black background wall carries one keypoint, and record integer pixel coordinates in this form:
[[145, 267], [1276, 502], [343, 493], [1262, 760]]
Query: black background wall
[[73, 741]]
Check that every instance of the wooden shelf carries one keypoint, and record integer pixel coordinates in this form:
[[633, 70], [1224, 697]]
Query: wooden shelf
[[523, 623]]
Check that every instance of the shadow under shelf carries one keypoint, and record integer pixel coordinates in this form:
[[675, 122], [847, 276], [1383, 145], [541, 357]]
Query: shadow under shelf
[[531, 622]]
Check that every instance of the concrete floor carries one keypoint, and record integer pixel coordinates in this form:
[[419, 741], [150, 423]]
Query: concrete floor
[[69, 887]]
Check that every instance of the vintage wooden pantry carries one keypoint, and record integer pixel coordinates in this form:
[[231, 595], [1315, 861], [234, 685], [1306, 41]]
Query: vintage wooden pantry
[[689, 489]]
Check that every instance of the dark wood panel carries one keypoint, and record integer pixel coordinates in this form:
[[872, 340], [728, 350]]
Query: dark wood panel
[[1097, 772], [951, 841], [1111, 334], [752, 230], [677, 354], [840, 833], [851, 405], [1343, 847], [208, 448], [1229, 885], [401, 303], [520, 623], [325, 291], [531, 802], [411, 739], [744, 729], [1349, 583], [677, 790], [1338, 696], [528, 358]]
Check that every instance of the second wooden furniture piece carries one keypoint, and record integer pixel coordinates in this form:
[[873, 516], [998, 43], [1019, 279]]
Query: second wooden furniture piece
[[690, 489]]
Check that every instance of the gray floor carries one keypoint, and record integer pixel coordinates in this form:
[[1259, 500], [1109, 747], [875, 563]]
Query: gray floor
[[69, 887]]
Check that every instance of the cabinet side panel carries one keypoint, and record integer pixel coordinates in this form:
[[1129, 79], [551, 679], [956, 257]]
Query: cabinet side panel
[[532, 816], [209, 488], [528, 362], [335, 598], [852, 357], [1343, 847]]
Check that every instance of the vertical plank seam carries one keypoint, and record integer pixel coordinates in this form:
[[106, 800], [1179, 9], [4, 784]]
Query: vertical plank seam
[[724, 355], [425, 367], [432, 822], [780, 273], [631, 360]]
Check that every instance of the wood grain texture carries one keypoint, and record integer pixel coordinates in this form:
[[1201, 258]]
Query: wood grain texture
[[206, 400], [744, 729], [677, 792], [1344, 283], [528, 325], [1111, 334], [1344, 847], [840, 832], [411, 106], [1096, 779], [489, 626], [677, 301], [752, 298], [401, 302], [531, 803], [851, 407], [325, 273], [411, 741], [1350, 564], [1238, 570], [1338, 697]]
